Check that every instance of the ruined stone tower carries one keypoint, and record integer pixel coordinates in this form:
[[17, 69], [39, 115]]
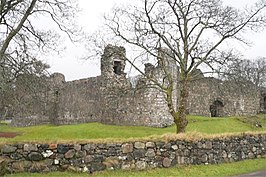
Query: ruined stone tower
[[113, 61]]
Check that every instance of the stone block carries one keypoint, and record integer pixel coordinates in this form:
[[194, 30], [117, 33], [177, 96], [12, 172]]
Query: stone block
[[127, 148], [167, 146], [48, 162], [38, 167], [180, 160], [77, 147], [47, 153], [89, 147], [139, 153], [88, 159], [97, 167], [35, 156], [80, 154], [224, 154], [141, 165], [208, 145], [112, 152], [111, 163], [128, 165], [52, 146], [17, 167], [56, 161], [204, 158], [199, 145], [174, 147], [30, 147], [16, 156], [44, 146], [62, 148], [150, 144], [6, 149], [167, 162], [98, 158], [70, 154], [139, 145], [251, 155], [150, 153]]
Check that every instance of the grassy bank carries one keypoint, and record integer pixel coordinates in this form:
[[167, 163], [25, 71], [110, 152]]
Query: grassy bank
[[221, 170], [100, 131]]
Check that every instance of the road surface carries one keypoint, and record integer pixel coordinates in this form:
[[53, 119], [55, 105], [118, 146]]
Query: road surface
[[254, 174]]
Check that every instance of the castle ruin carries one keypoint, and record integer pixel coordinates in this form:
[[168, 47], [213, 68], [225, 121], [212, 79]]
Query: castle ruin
[[112, 99]]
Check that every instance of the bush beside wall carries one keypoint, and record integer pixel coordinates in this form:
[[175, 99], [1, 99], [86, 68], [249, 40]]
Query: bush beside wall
[[91, 157]]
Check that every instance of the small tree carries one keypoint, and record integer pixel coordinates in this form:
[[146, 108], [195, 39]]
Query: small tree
[[192, 30]]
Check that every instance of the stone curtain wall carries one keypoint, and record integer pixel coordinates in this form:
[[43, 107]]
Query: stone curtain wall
[[237, 99], [80, 101], [89, 157]]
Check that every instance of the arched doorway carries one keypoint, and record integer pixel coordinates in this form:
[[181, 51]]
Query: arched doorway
[[216, 109]]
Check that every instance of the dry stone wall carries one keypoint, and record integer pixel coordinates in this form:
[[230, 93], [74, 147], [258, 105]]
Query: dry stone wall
[[90, 157]]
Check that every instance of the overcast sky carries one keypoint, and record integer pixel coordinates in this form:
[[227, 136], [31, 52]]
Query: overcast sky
[[74, 68]]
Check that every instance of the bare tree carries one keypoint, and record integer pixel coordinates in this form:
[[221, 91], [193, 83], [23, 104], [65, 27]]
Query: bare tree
[[28, 30], [193, 31], [24, 32], [246, 70]]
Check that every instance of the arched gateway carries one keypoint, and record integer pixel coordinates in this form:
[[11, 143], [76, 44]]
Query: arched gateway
[[216, 108]]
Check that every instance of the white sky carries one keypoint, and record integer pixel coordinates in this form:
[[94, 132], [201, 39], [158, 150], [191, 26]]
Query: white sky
[[74, 68]]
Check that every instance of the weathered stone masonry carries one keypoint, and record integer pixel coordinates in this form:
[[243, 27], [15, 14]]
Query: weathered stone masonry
[[215, 98], [90, 157], [112, 99], [109, 98]]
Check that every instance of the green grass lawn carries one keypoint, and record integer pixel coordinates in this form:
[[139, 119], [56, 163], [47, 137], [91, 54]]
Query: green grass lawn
[[220, 170], [91, 131], [255, 121], [262, 119]]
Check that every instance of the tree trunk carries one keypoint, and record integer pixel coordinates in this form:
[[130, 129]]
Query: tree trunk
[[180, 122], [180, 118]]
